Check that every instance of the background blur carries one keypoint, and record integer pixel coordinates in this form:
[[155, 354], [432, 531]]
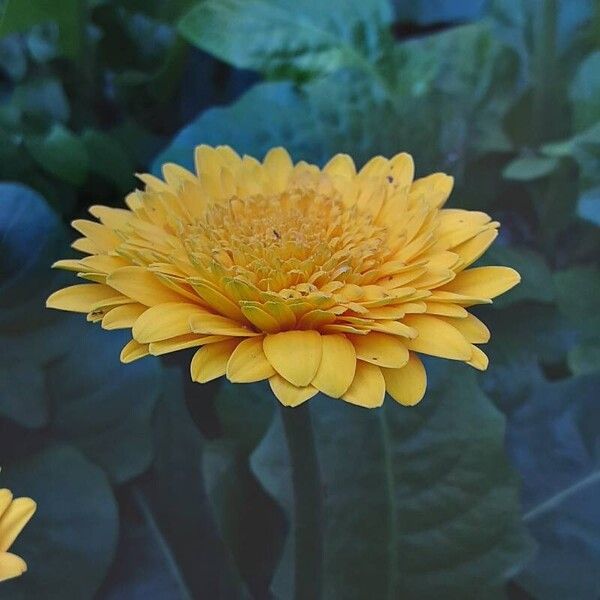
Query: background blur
[[151, 487]]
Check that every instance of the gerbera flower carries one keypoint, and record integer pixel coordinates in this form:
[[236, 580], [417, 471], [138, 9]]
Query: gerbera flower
[[14, 515], [326, 280]]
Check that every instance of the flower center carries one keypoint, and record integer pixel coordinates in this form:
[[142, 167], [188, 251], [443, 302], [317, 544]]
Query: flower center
[[303, 236]]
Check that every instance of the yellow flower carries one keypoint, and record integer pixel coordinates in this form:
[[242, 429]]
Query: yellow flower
[[326, 280], [14, 515]]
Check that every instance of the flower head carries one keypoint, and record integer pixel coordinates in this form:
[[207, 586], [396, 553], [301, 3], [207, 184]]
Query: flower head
[[14, 515], [326, 280]]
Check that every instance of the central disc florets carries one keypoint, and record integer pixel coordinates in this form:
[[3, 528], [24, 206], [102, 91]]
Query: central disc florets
[[300, 237]]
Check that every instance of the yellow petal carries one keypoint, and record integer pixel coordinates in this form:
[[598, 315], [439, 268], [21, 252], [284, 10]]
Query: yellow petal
[[79, 298], [368, 386], [122, 317], [165, 321], [210, 361], [289, 394], [248, 362], [402, 169], [84, 245], [14, 518], [341, 164], [68, 265], [5, 500], [218, 325], [471, 327], [101, 236], [11, 566], [406, 385], [295, 355], [437, 338], [484, 282], [380, 349], [133, 350], [337, 367], [445, 309], [142, 286], [182, 342], [279, 166], [115, 218], [479, 359], [260, 319], [217, 300], [474, 248], [435, 188]]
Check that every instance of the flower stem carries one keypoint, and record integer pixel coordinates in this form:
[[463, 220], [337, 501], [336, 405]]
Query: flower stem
[[308, 511]]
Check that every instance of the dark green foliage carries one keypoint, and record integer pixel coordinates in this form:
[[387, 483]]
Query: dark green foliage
[[135, 502]]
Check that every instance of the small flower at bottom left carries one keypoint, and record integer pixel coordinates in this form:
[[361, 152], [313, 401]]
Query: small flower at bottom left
[[14, 515]]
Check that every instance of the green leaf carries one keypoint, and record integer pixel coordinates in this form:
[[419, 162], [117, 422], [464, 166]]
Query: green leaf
[[276, 36], [176, 494], [63, 369], [42, 97], [144, 564], [584, 92], [249, 521], [62, 154], [108, 159], [433, 12], [547, 336], [102, 406], [425, 107], [552, 440], [22, 394], [585, 357], [588, 205], [245, 413], [528, 168], [424, 493], [536, 277], [578, 294], [70, 541], [68, 15]]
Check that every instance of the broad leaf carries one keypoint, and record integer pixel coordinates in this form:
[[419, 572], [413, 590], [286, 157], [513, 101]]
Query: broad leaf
[[100, 405], [414, 103], [70, 542], [418, 503], [175, 494], [68, 15], [553, 442], [144, 565], [588, 205], [279, 36], [528, 168], [584, 92], [62, 154]]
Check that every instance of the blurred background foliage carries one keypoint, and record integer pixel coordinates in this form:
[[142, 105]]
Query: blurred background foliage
[[151, 487]]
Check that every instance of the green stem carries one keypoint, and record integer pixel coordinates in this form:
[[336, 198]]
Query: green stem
[[308, 511]]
